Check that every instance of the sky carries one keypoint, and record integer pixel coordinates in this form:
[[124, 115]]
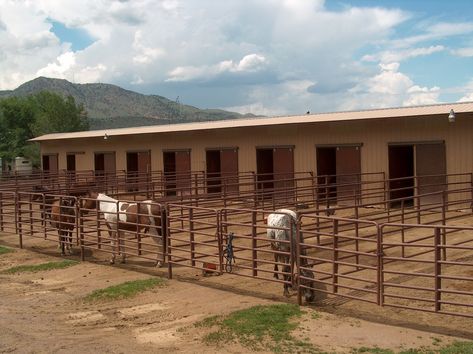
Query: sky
[[268, 57]]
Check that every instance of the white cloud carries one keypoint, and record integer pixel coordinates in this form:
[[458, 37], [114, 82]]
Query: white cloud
[[249, 63], [463, 52], [267, 57], [467, 92], [390, 56]]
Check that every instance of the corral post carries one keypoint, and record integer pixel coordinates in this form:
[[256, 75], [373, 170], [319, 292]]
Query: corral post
[[168, 242], [418, 205], [191, 235], [298, 260], [117, 230], [471, 186], [80, 229], [444, 221], [327, 194], [16, 208], [164, 230], [138, 227], [19, 221], [403, 236], [254, 243], [220, 232], [380, 265], [99, 232], [43, 213], [30, 214], [357, 234], [438, 269], [335, 256], [1, 211]]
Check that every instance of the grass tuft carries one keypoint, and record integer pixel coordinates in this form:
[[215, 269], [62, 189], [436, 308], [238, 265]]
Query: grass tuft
[[259, 328], [125, 290], [454, 348], [4, 250], [41, 267]]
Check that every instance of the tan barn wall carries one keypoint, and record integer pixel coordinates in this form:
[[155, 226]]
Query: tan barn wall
[[373, 134]]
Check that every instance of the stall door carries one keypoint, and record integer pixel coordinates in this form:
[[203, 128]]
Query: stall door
[[348, 167], [401, 174], [183, 171], [283, 169], [430, 171], [229, 169], [50, 163], [212, 158], [326, 173]]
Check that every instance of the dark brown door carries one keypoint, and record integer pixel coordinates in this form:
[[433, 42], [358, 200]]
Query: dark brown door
[[348, 161], [264, 172], [430, 172], [229, 169], [401, 172], [71, 162], [109, 166], [169, 162], [212, 158], [326, 173], [183, 171], [283, 162], [144, 169], [51, 164]]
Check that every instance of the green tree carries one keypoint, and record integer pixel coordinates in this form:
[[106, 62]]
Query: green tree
[[56, 114], [22, 118]]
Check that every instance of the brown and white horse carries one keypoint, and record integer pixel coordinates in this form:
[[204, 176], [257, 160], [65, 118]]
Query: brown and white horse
[[132, 217]]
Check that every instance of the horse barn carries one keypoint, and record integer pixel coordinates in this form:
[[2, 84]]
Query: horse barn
[[384, 202]]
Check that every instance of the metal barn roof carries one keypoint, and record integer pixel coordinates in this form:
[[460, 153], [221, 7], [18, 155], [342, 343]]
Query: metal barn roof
[[415, 111]]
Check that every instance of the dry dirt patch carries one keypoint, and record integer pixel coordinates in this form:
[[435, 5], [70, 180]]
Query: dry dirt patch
[[45, 312]]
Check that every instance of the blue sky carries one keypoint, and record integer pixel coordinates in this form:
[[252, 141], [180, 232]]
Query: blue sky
[[271, 57]]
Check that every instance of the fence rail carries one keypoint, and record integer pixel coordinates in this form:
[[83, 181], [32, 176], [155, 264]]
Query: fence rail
[[418, 255]]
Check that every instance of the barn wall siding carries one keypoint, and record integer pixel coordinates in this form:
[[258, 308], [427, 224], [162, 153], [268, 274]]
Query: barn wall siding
[[374, 135]]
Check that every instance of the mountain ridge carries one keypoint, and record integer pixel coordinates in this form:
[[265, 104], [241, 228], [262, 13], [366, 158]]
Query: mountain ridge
[[111, 106]]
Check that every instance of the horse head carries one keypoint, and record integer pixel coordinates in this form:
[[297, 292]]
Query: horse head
[[89, 201], [307, 282]]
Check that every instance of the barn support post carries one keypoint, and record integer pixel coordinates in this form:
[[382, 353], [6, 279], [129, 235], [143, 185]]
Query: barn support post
[[254, 243], [437, 268], [335, 256], [192, 235], [168, 247]]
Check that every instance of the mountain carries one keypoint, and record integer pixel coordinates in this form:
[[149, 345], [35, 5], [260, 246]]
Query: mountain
[[110, 106]]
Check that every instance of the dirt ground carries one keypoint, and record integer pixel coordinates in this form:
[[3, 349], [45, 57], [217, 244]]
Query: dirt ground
[[45, 312]]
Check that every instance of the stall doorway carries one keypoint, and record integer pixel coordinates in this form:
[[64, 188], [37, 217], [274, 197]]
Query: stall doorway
[[104, 163], [138, 168], [222, 170], [50, 163], [401, 175], [338, 171], [177, 172], [71, 163], [275, 171]]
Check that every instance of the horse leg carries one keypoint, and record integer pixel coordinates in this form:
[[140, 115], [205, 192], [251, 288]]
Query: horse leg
[[61, 241], [287, 279], [121, 244], [112, 243], [276, 268]]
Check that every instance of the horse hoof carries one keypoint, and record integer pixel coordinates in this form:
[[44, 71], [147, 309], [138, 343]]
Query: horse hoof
[[159, 264], [112, 261]]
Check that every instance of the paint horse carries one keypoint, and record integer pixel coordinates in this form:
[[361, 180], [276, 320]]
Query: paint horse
[[132, 217], [283, 235]]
